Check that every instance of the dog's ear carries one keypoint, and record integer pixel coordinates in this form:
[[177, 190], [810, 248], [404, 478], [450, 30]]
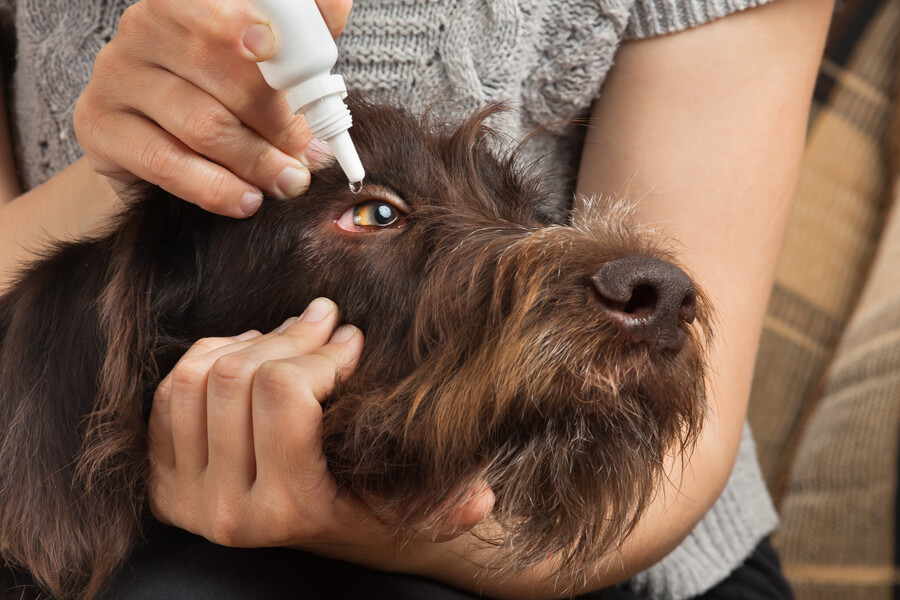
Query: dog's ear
[[72, 450]]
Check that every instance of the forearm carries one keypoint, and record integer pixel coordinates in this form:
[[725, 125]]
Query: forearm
[[75, 202]]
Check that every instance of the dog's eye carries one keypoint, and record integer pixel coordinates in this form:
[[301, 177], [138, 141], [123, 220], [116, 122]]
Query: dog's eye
[[374, 214], [370, 216]]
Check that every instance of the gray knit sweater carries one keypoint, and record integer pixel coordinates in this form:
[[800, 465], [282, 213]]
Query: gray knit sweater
[[548, 57]]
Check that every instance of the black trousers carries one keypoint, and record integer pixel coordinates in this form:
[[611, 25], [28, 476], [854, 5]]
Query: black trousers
[[175, 564]]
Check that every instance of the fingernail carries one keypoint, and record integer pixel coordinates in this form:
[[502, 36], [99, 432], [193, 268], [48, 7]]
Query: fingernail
[[259, 39], [317, 310], [343, 333], [292, 182], [250, 202], [247, 335], [285, 325], [318, 154]]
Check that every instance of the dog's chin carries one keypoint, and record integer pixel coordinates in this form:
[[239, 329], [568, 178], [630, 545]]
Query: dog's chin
[[573, 453]]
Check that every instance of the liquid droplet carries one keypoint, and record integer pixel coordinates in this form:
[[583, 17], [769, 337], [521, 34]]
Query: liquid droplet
[[355, 186]]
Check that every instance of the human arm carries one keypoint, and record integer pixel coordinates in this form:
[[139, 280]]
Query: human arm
[[175, 99]]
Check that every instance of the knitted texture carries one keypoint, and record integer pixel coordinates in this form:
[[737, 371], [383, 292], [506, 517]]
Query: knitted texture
[[547, 59]]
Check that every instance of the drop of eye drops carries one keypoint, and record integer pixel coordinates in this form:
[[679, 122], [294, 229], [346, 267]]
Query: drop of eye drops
[[356, 186]]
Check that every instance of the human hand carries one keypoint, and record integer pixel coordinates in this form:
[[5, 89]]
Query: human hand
[[236, 450], [176, 99]]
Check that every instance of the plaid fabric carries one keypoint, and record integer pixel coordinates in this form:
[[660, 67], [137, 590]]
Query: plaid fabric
[[826, 406], [835, 227]]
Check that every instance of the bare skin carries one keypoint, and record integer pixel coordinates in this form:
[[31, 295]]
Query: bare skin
[[706, 127]]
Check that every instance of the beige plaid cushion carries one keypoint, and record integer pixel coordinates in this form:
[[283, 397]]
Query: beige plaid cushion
[[831, 239], [826, 403]]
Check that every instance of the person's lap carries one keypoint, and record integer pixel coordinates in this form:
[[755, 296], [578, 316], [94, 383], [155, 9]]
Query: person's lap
[[175, 564]]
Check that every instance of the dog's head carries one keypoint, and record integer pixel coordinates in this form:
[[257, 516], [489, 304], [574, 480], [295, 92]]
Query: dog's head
[[559, 362]]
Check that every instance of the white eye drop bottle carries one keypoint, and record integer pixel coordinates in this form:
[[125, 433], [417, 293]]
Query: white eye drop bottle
[[302, 65]]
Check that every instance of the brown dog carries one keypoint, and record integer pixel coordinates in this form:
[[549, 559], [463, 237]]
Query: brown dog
[[555, 361]]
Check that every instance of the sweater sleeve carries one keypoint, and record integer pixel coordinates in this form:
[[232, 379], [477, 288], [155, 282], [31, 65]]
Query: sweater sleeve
[[649, 18]]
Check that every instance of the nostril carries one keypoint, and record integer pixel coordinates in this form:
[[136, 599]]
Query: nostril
[[647, 299], [688, 309], [643, 301]]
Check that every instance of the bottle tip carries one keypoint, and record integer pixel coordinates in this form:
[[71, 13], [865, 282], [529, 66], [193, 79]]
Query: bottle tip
[[345, 153]]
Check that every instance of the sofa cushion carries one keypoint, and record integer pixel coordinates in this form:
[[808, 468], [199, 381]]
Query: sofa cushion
[[839, 531]]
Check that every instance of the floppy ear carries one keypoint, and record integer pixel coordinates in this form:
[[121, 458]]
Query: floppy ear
[[75, 334]]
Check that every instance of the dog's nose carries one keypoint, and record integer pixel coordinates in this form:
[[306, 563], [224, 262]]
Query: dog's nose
[[647, 298]]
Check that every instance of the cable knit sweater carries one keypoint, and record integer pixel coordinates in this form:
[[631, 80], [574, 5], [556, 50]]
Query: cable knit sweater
[[547, 57]]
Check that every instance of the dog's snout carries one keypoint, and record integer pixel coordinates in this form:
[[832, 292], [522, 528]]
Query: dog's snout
[[648, 299]]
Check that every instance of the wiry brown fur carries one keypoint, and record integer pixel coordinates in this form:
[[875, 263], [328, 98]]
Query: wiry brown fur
[[486, 355]]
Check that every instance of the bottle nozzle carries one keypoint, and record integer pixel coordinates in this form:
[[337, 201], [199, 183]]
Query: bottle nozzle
[[320, 99], [345, 153]]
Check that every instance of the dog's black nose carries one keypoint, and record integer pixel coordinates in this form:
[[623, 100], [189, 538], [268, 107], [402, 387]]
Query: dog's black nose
[[647, 298]]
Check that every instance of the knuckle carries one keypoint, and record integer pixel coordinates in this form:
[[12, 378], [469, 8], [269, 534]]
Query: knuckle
[[223, 21], [207, 344], [161, 160], [106, 62], [277, 378], [230, 372], [224, 522], [163, 391], [218, 193], [87, 120], [133, 20], [292, 133], [280, 524], [189, 373], [263, 161], [212, 128]]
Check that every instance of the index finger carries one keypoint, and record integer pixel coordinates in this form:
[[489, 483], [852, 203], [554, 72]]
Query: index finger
[[239, 26], [235, 25]]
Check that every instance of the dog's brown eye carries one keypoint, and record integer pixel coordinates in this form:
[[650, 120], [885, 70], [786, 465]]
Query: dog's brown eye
[[374, 214], [370, 216]]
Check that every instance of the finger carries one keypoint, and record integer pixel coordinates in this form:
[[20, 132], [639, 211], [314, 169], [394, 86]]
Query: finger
[[287, 413], [212, 130], [161, 442], [148, 152], [231, 391], [186, 390], [474, 509], [335, 13], [235, 82], [237, 26]]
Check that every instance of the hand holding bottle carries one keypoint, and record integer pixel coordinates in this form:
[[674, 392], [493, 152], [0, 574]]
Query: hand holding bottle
[[176, 99]]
